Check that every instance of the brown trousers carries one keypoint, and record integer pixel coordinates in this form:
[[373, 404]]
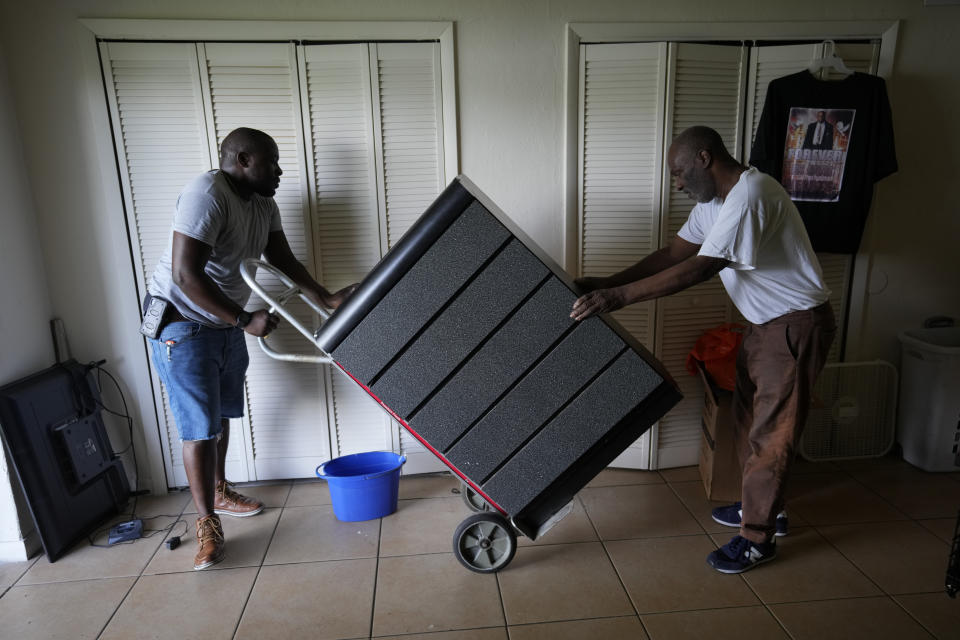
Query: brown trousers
[[777, 365]]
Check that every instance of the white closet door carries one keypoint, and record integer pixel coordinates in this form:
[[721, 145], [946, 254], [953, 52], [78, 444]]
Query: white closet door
[[409, 152], [621, 135], [156, 106], [837, 270], [362, 155], [766, 64], [837, 267], [409, 132], [621, 125], [705, 86], [772, 62], [684, 319], [338, 118], [256, 85]]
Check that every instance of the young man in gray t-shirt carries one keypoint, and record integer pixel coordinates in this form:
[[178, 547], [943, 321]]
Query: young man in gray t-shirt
[[223, 218]]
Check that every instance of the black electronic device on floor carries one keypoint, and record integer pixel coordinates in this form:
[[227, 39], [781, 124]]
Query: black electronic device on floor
[[125, 531], [54, 431]]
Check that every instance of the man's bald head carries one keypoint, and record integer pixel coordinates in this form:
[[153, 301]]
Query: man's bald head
[[251, 158], [243, 140], [696, 139], [701, 164]]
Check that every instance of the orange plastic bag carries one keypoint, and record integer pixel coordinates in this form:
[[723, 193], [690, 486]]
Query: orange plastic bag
[[717, 350]]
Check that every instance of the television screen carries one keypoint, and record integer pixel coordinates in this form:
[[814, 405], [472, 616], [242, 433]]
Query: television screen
[[54, 432]]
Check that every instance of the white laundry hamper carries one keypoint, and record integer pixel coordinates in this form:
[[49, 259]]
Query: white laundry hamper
[[928, 422]]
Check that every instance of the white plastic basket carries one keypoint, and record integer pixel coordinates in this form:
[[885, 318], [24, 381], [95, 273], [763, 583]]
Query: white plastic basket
[[853, 413], [929, 417]]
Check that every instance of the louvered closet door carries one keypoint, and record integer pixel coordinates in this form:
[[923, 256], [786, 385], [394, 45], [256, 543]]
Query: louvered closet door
[[772, 62], [621, 93], [256, 85], [837, 267], [767, 63], [338, 119], [409, 131], [160, 136], [621, 137], [705, 86], [409, 151]]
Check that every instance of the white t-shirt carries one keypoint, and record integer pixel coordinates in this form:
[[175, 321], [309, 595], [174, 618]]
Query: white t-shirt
[[773, 269], [208, 210]]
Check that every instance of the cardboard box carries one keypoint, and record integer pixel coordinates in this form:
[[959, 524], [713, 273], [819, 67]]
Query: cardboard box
[[719, 465]]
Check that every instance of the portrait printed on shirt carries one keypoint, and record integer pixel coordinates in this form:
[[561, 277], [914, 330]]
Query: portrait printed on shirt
[[815, 152]]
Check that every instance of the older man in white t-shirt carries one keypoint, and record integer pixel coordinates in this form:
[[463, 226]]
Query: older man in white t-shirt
[[746, 229]]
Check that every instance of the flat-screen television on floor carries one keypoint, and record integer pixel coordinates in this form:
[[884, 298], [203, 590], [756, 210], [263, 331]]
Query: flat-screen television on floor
[[54, 432]]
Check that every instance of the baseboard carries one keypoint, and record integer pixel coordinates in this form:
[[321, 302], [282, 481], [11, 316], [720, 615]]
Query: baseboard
[[20, 550]]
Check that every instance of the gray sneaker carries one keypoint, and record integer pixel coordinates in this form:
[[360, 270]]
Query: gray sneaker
[[731, 515]]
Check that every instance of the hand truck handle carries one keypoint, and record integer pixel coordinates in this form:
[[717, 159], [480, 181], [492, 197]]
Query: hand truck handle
[[248, 270]]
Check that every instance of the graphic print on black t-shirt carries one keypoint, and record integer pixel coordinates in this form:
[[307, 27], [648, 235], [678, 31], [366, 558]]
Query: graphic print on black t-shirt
[[815, 152], [834, 210]]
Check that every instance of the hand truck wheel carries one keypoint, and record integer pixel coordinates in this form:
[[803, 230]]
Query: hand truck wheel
[[485, 542], [472, 499]]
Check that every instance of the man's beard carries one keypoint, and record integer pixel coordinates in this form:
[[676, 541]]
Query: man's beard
[[700, 188]]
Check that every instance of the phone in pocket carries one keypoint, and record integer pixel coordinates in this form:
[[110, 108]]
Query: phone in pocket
[[153, 317]]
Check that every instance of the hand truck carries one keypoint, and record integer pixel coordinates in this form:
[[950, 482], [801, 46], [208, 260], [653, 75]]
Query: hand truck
[[462, 333]]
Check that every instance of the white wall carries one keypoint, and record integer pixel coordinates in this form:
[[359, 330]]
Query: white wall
[[510, 74], [27, 346], [913, 232]]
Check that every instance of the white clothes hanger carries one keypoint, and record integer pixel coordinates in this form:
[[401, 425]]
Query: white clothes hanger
[[829, 60]]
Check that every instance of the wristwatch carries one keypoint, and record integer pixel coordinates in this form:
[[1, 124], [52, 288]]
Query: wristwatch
[[243, 319]]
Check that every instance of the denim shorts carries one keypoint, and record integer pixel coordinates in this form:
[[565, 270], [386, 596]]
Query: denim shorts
[[203, 370]]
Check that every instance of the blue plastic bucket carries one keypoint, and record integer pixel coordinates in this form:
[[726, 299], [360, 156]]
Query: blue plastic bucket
[[363, 486]]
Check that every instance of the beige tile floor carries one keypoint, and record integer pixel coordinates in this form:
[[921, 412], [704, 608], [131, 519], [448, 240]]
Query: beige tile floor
[[865, 558]]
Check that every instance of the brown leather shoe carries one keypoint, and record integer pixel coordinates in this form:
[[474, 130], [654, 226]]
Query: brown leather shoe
[[228, 502], [210, 539]]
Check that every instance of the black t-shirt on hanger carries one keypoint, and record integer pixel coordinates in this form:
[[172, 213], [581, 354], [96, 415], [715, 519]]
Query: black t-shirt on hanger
[[827, 142]]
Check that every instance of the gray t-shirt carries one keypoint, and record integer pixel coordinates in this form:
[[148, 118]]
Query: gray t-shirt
[[208, 210]]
